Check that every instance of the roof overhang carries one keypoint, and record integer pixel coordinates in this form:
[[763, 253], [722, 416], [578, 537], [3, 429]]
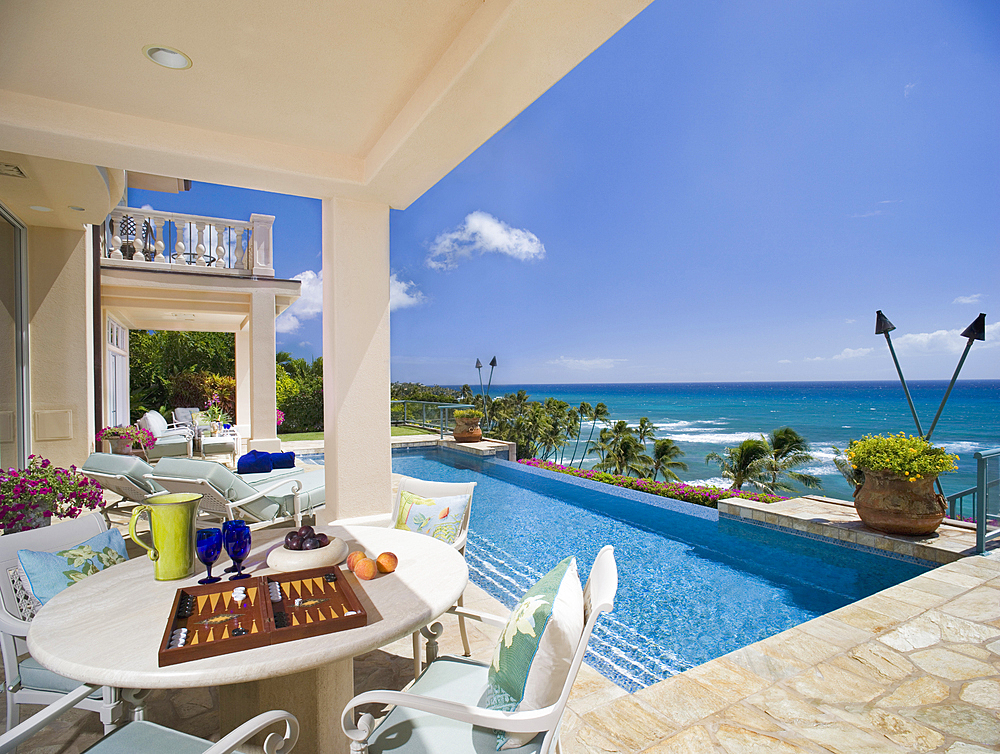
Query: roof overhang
[[374, 101]]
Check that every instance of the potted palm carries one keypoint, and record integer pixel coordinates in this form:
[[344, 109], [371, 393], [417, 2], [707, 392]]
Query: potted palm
[[898, 496], [29, 497], [467, 425]]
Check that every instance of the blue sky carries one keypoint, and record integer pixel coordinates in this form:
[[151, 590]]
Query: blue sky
[[724, 191]]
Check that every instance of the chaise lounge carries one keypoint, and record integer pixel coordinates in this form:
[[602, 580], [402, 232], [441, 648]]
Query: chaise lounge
[[262, 499]]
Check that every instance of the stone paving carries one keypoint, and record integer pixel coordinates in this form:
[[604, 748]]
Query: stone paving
[[914, 668]]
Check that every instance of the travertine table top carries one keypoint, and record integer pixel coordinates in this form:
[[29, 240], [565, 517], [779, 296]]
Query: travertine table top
[[107, 628]]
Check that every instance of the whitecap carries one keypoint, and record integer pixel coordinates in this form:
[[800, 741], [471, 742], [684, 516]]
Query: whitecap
[[713, 438], [715, 481], [962, 447], [825, 469]]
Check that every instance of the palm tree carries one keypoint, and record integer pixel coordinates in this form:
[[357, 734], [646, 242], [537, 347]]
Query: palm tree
[[625, 454], [600, 446], [646, 431], [852, 474], [599, 414], [666, 457], [744, 463], [584, 414], [788, 449]]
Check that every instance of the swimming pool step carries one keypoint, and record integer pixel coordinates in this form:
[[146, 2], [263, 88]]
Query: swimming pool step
[[615, 650]]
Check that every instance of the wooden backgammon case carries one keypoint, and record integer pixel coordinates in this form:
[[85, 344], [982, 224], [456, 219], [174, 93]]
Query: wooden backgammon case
[[277, 608]]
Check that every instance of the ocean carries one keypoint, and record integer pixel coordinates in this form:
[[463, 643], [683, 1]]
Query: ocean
[[706, 417]]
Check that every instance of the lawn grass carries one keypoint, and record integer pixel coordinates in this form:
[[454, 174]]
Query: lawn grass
[[399, 431], [396, 431]]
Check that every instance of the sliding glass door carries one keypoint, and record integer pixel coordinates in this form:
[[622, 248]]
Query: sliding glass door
[[13, 343]]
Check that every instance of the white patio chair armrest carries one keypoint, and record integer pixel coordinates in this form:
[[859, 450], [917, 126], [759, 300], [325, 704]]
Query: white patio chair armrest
[[25, 730], [514, 722], [296, 488], [181, 431], [488, 618], [275, 743], [12, 625]]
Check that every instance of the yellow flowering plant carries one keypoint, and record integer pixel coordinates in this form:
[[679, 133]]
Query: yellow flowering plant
[[908, 456]]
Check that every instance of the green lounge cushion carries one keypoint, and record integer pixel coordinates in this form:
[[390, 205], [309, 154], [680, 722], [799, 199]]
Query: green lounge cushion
[[144, 736], [34, 676], [407, 731], [132, 468]]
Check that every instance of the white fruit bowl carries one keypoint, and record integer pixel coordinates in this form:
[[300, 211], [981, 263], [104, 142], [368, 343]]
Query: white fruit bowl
[[282, 559]]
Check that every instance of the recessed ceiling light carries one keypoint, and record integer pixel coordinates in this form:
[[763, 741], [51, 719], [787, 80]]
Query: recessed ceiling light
[[39, 208], [168, 57], [76, 209]]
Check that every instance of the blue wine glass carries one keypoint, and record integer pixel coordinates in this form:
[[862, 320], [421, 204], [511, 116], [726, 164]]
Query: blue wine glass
[[209, 547], [227, 526], [238, 546]]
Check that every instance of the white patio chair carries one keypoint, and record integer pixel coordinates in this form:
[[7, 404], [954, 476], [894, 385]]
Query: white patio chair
[[171, 439], [122, 474], [27, 682], [142, 737], [437, 490], [439, 714]]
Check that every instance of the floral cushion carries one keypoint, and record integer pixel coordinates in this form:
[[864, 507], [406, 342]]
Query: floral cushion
[[50, 572], [533, 654], [440, 517]]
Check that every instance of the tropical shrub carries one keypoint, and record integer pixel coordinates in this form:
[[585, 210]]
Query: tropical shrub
[[707, 496], [467, 413], [903, 455], [201, 389], [304, 411]]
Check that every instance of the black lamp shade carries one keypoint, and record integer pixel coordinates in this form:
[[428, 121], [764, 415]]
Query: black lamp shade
[[882, 323], [493, 363], [977, 330], [479, 364]]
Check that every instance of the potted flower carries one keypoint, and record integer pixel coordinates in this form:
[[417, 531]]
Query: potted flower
[[215, 414], [123, 438], [898, 495], [467, 425], [30, 497]]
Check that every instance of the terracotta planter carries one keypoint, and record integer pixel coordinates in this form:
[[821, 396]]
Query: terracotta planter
[[894, 505], [467, 429], [121, 446]]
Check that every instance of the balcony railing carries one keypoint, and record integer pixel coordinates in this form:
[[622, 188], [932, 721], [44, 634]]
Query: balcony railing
[[425, 414], [981, 503], [170, 240]]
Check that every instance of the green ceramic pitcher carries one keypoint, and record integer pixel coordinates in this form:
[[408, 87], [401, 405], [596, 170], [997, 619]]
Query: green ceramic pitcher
[[172, 523]]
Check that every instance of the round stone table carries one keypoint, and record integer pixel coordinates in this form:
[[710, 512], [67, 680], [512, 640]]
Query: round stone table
[[107, 629]]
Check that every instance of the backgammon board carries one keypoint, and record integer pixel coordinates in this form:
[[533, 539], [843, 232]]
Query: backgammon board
[[230, 616]]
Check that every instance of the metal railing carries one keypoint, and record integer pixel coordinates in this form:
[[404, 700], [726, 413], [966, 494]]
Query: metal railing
[[415, 414], [962, 505], [987, 497]]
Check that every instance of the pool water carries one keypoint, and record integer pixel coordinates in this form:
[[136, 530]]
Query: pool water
[[692, 587]]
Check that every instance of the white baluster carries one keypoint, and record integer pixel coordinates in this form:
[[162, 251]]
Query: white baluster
[[137, 255], [116, 240], [179, 246], [200, 248], [220, 248], [161, 227]]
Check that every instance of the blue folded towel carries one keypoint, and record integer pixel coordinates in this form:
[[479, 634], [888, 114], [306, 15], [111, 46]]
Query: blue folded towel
[[283, 460], [254, 462]]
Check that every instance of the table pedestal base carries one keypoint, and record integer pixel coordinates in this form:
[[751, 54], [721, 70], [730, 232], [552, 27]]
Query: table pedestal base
[[316, 697]]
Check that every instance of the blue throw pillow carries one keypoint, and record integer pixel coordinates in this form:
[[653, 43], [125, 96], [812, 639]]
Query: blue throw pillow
[[50, 572], [254, 462], [283, 460]]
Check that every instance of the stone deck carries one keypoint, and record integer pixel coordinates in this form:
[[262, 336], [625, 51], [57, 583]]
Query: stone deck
[[914, 668]]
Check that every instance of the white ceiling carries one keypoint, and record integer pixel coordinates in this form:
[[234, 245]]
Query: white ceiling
[[376, 99]]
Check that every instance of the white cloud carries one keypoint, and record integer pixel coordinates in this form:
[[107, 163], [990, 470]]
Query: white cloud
[[815, 358], [943, 341], [403, 294], [307, 306], [784, 361], [973, 299], [586, 365], [873, 213], [304, 343], [853, 353], [907, 89], [849, 321], [890, 201], [479, 234]]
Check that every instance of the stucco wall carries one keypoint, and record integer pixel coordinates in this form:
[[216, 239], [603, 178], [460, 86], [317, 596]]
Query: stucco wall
[[60, 343], [356, 358]]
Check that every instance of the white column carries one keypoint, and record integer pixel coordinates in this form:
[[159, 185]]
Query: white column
[[356, 359], [243, 378], [263, 404], [263, 245]]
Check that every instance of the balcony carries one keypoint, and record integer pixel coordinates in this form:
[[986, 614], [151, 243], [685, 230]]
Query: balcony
[[176, 242]]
